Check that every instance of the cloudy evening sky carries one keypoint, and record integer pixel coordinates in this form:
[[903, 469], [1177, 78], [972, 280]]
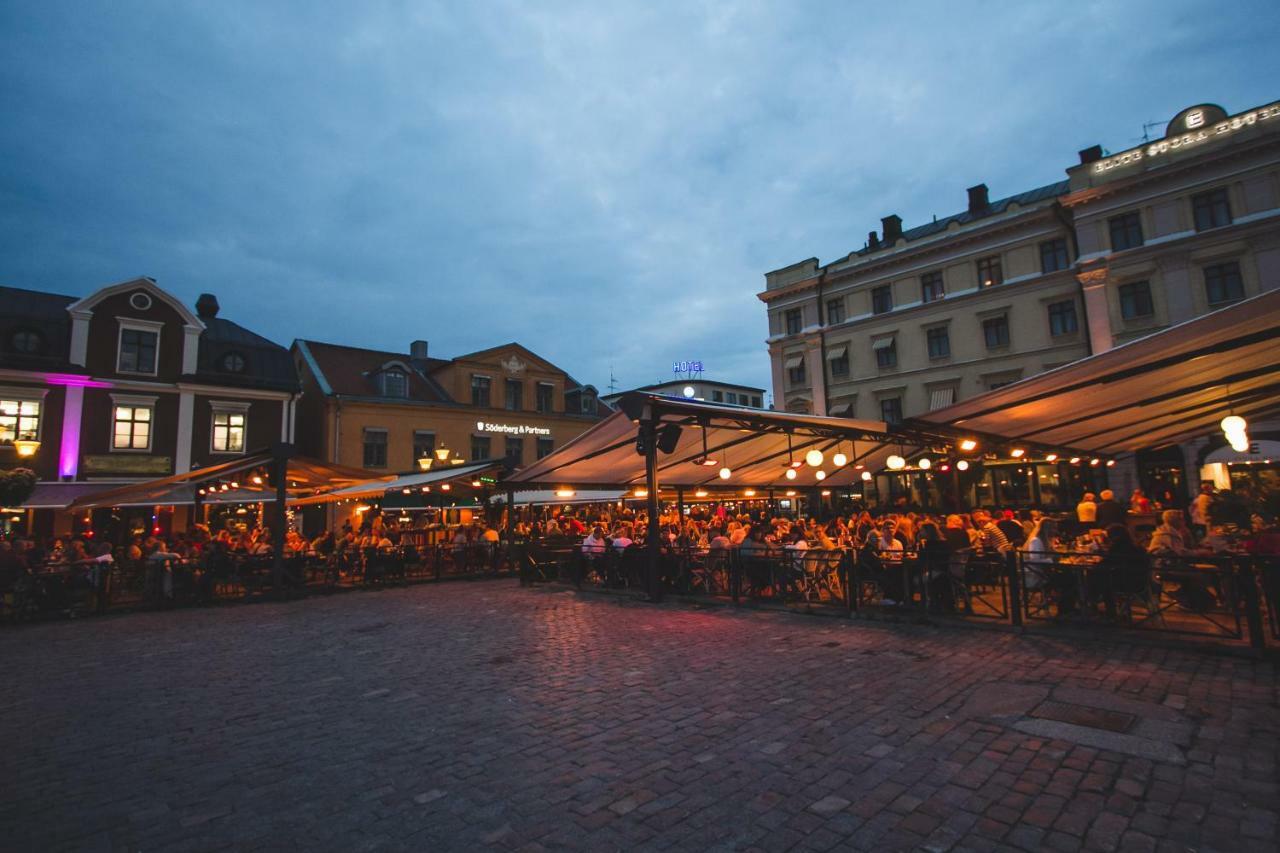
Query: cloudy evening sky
[[605, 184]]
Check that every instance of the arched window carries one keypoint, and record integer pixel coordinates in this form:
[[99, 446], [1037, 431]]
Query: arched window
[[231, 362], [26, 341]]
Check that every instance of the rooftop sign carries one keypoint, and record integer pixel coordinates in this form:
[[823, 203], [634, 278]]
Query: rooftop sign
[[512, 429], [1191, 127]]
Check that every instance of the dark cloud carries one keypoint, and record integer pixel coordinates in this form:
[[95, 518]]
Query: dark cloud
[[606, 185]]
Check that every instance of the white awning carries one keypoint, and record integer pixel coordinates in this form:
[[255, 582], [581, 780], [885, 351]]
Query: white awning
[[883, 343], [940, 398], [1162, 389], [794, 361], [548, 497], [376, 488], [837, 352], [840, 409]]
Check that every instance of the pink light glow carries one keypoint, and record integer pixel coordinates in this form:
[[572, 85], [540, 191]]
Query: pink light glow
[[69, 451], [71, 380]]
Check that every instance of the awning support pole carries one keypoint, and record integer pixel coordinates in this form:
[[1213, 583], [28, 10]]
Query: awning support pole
[[280, 454], [649, 432], [680, 508]]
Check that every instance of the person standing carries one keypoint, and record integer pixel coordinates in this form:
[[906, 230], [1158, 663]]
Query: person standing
[[1087, 510], [1200, 509]]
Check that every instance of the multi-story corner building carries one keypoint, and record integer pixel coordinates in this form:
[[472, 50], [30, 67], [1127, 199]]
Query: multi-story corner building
[[701, 389], [1129, 244], [130, 384], [384, 410]]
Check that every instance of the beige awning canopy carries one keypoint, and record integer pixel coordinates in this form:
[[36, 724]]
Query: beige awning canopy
[[837, 352], [304, 475], [794, 361], [1162, 389], [756, 446], [423, 481]]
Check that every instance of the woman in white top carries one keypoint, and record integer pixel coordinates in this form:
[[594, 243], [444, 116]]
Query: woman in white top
[[1037, 553]]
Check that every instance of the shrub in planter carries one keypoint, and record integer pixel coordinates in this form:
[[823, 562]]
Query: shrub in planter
[[16, 486]]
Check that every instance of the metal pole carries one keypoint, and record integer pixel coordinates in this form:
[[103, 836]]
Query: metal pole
[[280, 465], [649, 429], [680, 507]]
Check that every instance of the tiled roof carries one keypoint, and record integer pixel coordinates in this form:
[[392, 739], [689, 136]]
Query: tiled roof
[[1023, 199], [43, 313], [351, 371], [267, 364]]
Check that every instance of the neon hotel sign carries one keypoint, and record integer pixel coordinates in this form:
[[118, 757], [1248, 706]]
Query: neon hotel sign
[[1199, 129]]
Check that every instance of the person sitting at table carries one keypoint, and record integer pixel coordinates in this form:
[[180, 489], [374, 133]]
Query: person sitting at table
[[955, 534], [935, 560], [622, 540], [1139, 502], [886, 538], [1011, 529], [1038, 555], [872, 567], [595, 543], [1125, 569], [1170, 546], [990, 538]]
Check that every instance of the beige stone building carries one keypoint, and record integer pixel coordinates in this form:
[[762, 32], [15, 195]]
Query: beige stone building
[[1129, 244]]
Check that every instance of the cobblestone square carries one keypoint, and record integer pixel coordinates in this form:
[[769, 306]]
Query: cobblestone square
[[473, 716]]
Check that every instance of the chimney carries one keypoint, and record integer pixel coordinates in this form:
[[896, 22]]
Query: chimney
[[418, 349], [207, 306], [1091, 154], [978, 201], [892, 227], [873, 240]]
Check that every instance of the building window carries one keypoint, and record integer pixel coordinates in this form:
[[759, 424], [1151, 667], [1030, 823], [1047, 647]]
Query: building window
[[839, 361], [26, 341], [939, 342], [588, 404], [515, 395], [755, 401], [732, 398], [931, 288], [424, 445], [138, 351], [835, 311], [479, 448], [228, 432], [891, 410], [1211, 209], [1053, 256], [231, 362], [395, 383], [881, 299], [993, 384], [132, 428], [1135, 300], [375, 448], [886, 350], [995, 331], [1126, 231], [545, 396], [795, 373], [19, 421], [793, 319], [515, 450], [480, 391], [545, 446], [1062, 318], [990, 272], [1222, 283], [717, 396]]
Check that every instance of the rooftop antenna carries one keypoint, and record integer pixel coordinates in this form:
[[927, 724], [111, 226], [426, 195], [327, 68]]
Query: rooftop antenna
[[613, 382], [1146, 129]]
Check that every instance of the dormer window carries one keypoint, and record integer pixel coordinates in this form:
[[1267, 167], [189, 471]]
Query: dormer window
[[588, 404], [139, 344], [26, 341], [231, 362], [395, 383]]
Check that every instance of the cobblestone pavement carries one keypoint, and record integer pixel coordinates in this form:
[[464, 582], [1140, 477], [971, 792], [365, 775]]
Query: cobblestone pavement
[[476, 716]]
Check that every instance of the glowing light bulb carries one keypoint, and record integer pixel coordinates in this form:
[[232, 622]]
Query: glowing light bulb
[[839, 460], [896, 462], [968, 444], [820, 474], [962, 465], [814, 458], [1017, 453], [925, 463], [688, 391], [1233, 423], [791, 473], [866, 476], [725, 473], [1051, 457]]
